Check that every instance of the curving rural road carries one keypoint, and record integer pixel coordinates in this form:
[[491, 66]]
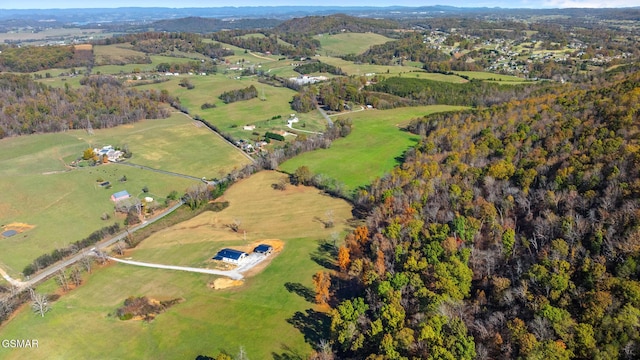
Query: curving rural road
[[46, 273]]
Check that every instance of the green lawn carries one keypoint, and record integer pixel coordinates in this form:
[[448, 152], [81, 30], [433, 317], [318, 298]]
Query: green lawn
[[349, 43], [372, 148], [65, 206], [264, 315]]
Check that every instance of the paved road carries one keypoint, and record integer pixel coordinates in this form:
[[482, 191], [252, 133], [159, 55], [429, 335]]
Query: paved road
[[46, 273], [324, 114]]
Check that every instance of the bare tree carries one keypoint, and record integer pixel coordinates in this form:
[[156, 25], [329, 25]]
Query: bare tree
[[76, 276], [39, 303], [329, 223], [242, 355], [87, 262], [324, 351], [118, 248], [235, 225], [62, 280]]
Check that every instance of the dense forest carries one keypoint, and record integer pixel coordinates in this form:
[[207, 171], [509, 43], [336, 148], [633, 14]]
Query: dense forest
[[28, 107], [31, 58], [508, 232], [393, 92], [335, 24]]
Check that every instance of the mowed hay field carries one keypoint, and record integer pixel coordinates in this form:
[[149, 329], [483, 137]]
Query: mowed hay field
[[349, 43], [66, 206], [372, 149], [262, 315]]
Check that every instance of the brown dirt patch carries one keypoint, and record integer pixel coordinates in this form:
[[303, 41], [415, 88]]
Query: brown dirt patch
[[19, 227], [224, 283], [86, 47]]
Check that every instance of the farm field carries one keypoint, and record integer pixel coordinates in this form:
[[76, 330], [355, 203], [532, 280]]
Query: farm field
[[65, 206], [349, 43], [487, 76], [265, 311], [363, 69], [177, 144], [230, 118], [372, 148]]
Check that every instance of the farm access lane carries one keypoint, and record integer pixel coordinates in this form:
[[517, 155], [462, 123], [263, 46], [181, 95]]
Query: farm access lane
[[236, 274], [50, 271]]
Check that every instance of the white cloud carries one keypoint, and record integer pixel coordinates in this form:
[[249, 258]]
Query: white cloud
[[589, 3]]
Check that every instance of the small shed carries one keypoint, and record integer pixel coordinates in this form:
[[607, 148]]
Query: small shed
[[120, 195], [263, 249], [231, 256]]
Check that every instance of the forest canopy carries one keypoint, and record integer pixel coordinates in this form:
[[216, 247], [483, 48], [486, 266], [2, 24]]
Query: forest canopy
[[27, 106], [508, 232]]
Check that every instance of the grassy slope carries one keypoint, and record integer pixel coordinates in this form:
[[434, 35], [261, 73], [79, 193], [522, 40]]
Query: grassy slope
[[349, 43], [370, 150], [257, 315], [66, 206]]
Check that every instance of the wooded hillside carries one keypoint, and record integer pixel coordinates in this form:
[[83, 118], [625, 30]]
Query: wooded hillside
[[27, 106], [509, 232]]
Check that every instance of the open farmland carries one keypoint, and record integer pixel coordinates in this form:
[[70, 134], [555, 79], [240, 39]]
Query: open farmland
[[230, 118], [265, 311], [349, 43], [66, 206], [372, 149]]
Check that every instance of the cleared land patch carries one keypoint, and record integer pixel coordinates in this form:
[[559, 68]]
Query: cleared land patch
[[372, 149], [262, 311], [66, 205], [349, 43]]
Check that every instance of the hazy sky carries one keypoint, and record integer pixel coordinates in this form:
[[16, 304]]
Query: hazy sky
[[48, 4]]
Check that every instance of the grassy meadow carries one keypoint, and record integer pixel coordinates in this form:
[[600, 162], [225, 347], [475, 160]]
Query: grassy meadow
[[372, 149], [65, 206], [264, 315], [349, 43]]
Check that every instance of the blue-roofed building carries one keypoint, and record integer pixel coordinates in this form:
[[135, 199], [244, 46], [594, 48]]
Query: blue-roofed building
[[120, 195], [231, 256], [263, 249]]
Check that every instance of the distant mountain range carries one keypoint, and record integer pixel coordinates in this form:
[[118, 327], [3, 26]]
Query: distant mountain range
[[142, 16]]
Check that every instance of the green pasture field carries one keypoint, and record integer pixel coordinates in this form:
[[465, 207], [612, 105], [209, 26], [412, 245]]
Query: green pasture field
[[131, 68], [60, 81], [261, 315], [115, 52], [65, 206], [372, 148], [349, 43], [363, 69], [487, 76], [231, 118], [177, 144]]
